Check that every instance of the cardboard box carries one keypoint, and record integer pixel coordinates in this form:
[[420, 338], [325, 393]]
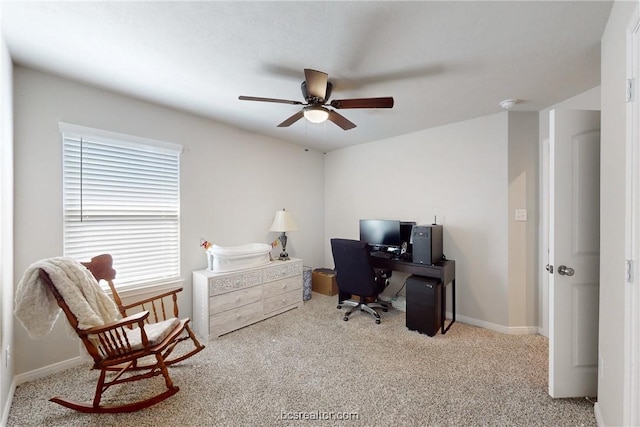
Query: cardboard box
[[323, 281], [368, 300]]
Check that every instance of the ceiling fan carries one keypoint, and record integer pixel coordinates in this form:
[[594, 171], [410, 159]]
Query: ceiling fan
[[316, 90]]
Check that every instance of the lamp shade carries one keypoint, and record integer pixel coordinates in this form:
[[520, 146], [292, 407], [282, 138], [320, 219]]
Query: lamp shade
[[283, 221]]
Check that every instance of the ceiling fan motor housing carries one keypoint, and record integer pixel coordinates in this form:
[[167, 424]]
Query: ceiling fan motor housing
[[315, 99]]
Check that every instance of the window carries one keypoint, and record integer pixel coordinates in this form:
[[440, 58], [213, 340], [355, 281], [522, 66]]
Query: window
[[122, 197]]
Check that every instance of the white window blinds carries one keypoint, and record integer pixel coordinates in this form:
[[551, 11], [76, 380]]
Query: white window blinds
[[122, 197]]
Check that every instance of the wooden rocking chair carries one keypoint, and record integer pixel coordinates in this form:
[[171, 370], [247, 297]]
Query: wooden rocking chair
[[134, 348]]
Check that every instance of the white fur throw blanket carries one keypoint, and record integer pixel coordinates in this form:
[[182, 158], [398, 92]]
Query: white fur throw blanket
[[37, 308]]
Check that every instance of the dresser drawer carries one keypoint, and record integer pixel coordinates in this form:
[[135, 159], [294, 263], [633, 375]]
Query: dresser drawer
[[282, 301], [232, 282], [281, 286], [282, 271], [224, 302], [230, 320]]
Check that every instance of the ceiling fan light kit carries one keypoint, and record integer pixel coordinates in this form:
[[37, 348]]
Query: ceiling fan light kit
[[316, 113], [316, 90]]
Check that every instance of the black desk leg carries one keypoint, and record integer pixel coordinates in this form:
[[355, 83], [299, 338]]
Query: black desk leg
[[444, 306]]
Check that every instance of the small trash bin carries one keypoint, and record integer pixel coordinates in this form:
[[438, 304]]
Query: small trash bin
[[306, 283]]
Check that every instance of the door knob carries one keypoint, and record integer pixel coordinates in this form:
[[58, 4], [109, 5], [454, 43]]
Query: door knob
[[563, 270]]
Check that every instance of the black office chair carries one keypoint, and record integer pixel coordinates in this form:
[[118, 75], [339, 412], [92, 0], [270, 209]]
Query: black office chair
[[356, 275]]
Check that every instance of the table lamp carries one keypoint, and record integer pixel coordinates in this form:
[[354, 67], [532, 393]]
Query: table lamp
[[282, 223]]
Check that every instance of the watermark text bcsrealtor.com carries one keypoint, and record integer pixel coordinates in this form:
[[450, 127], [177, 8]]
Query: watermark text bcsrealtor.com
[[319, 415]]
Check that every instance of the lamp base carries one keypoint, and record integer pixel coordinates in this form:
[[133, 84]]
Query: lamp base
[[283, 256], [283, 241]]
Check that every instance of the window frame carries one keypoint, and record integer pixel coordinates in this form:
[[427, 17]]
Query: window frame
[[71, 133]]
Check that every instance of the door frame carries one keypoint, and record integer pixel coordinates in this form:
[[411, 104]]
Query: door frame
[[631, 394], [543, 295]]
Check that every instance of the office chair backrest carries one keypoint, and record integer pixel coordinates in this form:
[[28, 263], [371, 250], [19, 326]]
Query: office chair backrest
[[354, 270]]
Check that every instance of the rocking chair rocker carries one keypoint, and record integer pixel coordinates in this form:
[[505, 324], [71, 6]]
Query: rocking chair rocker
[[136, 347]]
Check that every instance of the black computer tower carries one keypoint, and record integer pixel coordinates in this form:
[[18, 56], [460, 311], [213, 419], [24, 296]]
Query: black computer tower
[[424, 304], [427, 244]]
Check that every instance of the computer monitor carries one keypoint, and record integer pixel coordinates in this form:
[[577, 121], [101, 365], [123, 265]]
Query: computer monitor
[[380, 233]]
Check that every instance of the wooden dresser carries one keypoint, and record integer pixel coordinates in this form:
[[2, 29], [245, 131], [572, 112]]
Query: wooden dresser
[[224, 302]]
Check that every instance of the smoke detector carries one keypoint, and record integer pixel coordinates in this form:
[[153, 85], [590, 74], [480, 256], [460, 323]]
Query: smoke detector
[[508, 104]]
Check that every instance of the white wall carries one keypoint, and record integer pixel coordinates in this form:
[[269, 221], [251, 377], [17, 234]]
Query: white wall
[[232, 182], [458, 173], [6, 229], [523, 263], [612, 217]]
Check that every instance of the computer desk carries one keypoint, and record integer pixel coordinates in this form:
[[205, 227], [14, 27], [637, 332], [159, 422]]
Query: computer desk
[[444, 270]]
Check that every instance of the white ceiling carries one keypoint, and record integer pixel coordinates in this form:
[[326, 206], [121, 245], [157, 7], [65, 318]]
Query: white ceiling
[[442, 62]]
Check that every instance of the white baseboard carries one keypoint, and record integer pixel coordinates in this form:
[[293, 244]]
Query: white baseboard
[[7, 404], [542, 332], [48, 370], [513, 330], [523, 330], [400, 304], [596, 412]]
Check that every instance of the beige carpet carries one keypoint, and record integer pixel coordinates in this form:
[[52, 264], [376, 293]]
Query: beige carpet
[[310, 364]]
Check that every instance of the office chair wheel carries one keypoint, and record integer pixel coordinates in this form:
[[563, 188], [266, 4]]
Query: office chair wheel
[[339, 306], [345, 318], [385, 309], [377, 321]]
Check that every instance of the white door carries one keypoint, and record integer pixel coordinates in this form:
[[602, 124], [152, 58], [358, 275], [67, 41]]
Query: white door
[[574, 252]]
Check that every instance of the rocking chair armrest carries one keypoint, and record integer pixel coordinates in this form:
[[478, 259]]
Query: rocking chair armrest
[[161, 307], [138, 318], [153, 298]]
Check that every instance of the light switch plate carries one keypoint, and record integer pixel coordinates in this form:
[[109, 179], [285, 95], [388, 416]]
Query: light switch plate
[[521, 214]]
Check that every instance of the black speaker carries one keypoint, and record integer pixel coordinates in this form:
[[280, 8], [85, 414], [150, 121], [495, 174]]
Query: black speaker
[[424, 309], [427, 244]]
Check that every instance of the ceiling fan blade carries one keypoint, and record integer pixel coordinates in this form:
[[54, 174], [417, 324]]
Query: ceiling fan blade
[[291, 120], [384, 102], [281, 101], [316, 83], [340, 120]]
